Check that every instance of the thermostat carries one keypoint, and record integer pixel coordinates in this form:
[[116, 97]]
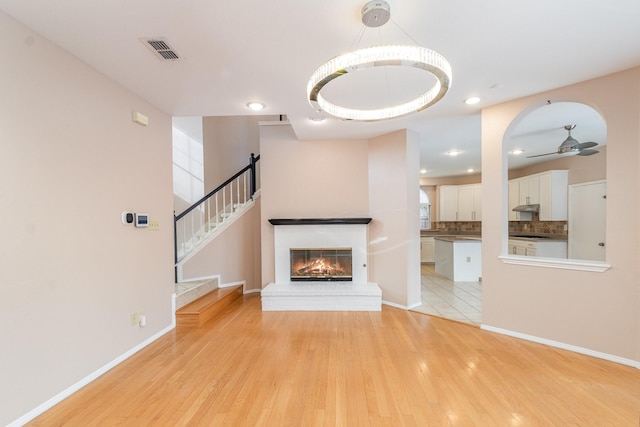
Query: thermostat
[[127, 218], [141, 220]]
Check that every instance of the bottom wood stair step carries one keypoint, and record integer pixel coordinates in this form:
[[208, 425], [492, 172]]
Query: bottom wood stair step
[[205, 308]]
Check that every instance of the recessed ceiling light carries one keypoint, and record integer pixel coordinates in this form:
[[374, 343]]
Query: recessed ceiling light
[[255, 105], [423, 171], [517, 152], [453, 152], [471, 170], [472, 100]]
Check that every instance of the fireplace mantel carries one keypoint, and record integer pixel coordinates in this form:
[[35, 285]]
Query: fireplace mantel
[[318, 221]]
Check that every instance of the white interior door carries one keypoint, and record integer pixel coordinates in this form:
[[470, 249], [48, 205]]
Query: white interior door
[[587, 209]]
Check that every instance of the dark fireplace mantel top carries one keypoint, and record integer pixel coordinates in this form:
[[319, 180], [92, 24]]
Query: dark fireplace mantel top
[[318, 221]]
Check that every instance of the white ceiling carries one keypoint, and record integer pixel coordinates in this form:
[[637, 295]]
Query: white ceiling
[[233, 52]]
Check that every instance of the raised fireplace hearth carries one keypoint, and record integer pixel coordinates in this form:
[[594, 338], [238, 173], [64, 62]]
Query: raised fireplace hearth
[[321, 264]]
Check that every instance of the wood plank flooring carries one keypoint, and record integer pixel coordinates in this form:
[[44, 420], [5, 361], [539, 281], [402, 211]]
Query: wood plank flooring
[[389, 368]]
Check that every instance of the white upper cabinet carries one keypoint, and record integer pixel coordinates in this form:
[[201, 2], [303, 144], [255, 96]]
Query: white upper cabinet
[[554, 186], [514, 200], [460, 202], [548, 189], [448, 203], [530, 190], [470, 202]]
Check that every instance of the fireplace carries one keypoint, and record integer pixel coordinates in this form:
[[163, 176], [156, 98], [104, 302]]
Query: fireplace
[[321, 264]]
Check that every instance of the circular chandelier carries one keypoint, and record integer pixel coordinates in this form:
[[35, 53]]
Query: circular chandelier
[[375, 14]]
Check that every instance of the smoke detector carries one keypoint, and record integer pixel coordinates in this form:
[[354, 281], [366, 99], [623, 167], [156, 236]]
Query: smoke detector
[[161, 48]]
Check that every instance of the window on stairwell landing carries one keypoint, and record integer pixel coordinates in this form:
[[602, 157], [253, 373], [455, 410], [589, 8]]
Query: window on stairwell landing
[[188, 169]]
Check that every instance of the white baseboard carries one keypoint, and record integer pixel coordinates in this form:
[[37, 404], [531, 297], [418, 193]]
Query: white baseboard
[[557, 344], [414, 305], [393, 304], [252, 291], [202, 278], [89, 378], [242, 283]]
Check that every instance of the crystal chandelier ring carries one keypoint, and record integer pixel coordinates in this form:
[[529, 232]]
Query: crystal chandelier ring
[[377, 56]]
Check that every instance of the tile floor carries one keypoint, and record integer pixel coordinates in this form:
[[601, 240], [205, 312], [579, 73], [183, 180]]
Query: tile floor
[[460, 301]]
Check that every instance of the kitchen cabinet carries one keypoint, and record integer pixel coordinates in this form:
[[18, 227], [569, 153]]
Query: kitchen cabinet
[[548, 189], [529, 190], [541, 248], [459, 259], [427, 249], [554, 187], [460, 202], [522, 247], [448, 202], [470, 202], [514, 200]]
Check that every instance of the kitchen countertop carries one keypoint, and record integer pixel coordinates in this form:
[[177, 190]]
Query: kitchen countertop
[[457, 239], [462, 235], [539, 237], [442, 233]]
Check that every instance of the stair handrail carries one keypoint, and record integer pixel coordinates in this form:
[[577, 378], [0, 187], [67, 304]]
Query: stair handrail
[[251, 167]]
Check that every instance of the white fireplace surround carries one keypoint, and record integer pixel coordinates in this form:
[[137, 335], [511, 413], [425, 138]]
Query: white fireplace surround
[[356, 295]]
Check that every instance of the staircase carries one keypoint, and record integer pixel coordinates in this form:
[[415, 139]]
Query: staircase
[[209, 215], [198, 301]]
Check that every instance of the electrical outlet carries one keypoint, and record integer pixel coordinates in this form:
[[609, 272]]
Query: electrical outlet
[[154, 225], [135, 318]]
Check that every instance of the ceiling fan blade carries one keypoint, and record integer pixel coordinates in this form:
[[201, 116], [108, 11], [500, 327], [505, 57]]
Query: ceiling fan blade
[[583, 145], [587, 152], [540, 155]]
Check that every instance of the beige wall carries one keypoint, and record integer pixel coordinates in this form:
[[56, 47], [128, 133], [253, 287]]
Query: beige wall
[[596, 311], [227, 143], [452, 180], [308, 179], [394, 233], [72, 274], [234, 254]]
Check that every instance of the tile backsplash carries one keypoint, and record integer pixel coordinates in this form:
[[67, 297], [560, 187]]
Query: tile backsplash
[[475, 226], [535, 226], [547, 227]]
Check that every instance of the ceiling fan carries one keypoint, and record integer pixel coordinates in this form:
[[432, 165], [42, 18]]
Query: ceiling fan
[[571, 145]]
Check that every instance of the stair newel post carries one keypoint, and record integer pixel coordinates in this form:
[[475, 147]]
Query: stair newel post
[[175, 247], [252, 168]]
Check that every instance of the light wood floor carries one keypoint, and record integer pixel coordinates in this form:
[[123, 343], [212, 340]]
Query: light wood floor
[[390, 368]]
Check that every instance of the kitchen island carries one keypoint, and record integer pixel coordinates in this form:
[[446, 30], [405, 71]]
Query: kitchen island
[[459, 258]]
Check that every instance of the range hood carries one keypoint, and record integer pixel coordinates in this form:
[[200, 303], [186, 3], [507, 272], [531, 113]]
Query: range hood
[[527, 208]]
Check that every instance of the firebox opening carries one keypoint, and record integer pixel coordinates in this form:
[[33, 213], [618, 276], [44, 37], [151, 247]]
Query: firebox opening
[[321, 264]]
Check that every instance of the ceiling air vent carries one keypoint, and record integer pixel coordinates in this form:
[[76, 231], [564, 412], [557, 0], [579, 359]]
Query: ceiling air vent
[[161, 48]]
